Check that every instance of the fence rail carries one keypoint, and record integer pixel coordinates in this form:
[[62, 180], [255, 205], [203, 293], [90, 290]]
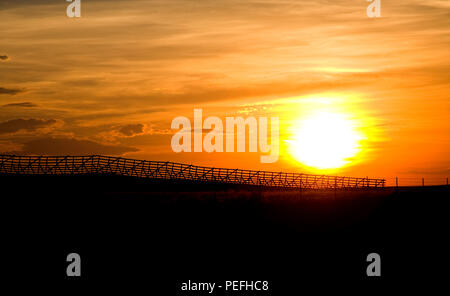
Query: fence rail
[[416, 181], [97, 164]]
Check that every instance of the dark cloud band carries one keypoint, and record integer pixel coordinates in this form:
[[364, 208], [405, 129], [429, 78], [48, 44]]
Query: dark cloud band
[[15, 125], [21, 105], [71, 146], [9, 91]]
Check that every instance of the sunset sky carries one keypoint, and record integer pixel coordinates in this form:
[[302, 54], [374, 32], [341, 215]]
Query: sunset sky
[[112, 81]]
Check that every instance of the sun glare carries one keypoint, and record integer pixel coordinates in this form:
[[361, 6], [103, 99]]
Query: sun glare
[[325, 140]]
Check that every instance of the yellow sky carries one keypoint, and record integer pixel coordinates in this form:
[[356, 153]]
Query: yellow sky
[[111, 81]]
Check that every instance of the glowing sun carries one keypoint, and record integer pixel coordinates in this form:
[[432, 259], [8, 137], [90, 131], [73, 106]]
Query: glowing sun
[[325, 140]]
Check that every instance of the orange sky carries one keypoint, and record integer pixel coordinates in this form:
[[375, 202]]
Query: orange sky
[[111, 81]]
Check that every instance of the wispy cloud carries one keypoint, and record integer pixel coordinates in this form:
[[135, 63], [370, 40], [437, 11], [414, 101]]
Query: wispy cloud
[[131, 129], [15, 125], [21, 105], [9, 91], [70, 146]]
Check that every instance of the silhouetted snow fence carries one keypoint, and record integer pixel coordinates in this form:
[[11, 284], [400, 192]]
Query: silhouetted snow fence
[[97, 164]]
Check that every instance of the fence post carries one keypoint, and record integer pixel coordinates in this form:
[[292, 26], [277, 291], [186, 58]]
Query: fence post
[[423, 182], [396, 182], [300, 186], [335, 186]]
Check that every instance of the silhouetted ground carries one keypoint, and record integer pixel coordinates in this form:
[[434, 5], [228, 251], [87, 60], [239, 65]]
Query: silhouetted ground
[[133, 231]]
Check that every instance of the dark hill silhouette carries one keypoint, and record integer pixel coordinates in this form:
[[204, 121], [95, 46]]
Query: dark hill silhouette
[[138, 230]]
